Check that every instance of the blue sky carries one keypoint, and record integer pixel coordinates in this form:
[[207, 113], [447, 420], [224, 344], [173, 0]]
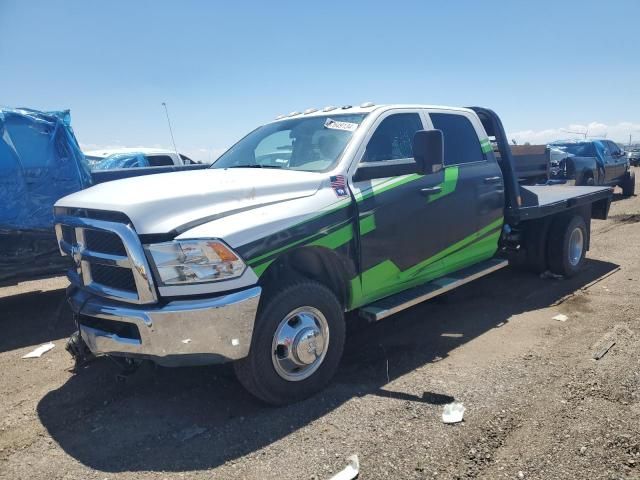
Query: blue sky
[[225, 67]]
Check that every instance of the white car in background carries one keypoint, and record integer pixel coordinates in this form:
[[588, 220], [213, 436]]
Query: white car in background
[[135, 157]]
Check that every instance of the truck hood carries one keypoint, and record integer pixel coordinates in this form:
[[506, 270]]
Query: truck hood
[[178, 201]]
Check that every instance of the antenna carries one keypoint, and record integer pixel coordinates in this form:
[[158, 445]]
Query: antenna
[[166, 111]]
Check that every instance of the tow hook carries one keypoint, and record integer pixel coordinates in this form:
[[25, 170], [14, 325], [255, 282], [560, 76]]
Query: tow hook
[[78, 350]]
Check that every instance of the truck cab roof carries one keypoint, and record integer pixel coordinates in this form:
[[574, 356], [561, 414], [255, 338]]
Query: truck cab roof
[[364, 108]]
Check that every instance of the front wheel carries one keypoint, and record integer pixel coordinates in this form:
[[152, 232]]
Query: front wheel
[[297, 344]]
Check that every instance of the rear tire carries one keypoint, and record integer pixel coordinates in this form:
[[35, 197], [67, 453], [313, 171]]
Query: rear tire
[[297, 344], [629, 184], [567, 245]]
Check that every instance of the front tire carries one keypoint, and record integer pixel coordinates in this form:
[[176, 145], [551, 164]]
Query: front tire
[[297, 344], [568, 240]]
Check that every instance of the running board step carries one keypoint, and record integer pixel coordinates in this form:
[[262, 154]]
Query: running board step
[[403, 300]]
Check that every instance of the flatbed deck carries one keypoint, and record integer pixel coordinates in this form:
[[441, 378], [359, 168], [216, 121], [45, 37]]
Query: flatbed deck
[[543, 200]]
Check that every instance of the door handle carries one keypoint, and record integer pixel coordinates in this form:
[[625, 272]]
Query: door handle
[[492, 180], [430, 190]]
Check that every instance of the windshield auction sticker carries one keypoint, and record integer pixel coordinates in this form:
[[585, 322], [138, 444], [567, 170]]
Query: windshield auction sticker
[[335, 125]]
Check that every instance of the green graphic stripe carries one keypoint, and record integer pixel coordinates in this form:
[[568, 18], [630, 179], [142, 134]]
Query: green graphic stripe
[[448, 185], [304, 240], [367, 224], [386, 278], [385, 186], [331, 239], [335, 239]]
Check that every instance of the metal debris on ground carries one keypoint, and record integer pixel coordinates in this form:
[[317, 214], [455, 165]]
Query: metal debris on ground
[[603, 351], [349, 472], [560, 317], [41, 350], [550, 274], [453, 412]]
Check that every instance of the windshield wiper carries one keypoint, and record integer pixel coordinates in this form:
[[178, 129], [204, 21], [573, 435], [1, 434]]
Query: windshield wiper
[[256, 165]]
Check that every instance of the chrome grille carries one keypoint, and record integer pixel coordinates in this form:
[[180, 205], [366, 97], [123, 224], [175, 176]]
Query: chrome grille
[[109, 258]]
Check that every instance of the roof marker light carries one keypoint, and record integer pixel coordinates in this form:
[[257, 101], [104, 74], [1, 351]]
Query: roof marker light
[[293, 114], [328, 108], [310, 110], [346, 107], [279, 117], [367, 105]]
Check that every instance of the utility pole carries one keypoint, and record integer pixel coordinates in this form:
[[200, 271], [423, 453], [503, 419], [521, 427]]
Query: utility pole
[[166, 111]]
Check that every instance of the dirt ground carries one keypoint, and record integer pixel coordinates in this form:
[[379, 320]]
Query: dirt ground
[[538, 405]]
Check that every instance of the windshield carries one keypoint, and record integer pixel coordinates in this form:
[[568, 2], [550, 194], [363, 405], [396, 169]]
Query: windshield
[[582, 149], [313, 144]]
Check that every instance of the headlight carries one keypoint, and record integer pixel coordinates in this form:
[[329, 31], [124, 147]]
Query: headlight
[[194, 261]]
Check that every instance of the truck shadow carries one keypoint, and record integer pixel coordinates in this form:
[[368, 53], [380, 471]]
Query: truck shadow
[[33, 318], [186, 419]]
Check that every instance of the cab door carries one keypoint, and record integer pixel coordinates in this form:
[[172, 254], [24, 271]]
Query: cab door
[[471, 213], [610, 168], [619, 160], [400, 226]]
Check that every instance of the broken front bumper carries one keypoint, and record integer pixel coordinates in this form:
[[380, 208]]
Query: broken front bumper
[[181, 332]]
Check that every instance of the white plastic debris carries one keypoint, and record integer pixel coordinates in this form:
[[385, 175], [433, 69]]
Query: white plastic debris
[[41, 350], [560, 317], [349, 472], [453, 412], [186, 340]]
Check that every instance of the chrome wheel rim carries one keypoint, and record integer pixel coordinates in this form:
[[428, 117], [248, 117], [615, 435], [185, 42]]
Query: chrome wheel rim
[[300, 344], [576, 244]]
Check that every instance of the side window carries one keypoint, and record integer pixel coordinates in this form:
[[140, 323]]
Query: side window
[[604, 148], [159, 160], [461, 144], [393, 139], [186, 160], [613, 147]]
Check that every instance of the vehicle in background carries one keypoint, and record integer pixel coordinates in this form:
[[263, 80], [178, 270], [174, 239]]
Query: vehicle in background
[[592, 162], [40, 162], [135, 158], [369, 209], [633, 156], [532, 163]]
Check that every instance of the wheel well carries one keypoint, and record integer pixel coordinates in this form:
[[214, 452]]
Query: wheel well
[[312, 263]]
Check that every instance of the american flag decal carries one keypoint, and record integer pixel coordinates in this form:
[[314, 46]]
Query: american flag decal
[[339, 186]]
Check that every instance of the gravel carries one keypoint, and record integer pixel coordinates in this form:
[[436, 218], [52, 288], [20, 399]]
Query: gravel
[[538, 405]]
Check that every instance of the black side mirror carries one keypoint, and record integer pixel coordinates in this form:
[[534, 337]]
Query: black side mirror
[[428, 151]]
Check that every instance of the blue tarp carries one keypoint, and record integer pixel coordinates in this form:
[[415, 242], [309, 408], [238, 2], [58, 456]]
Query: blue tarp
[[122, 160], [40, 162]]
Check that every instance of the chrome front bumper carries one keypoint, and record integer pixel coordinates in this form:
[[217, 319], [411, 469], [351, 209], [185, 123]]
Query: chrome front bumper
[[184, 332]]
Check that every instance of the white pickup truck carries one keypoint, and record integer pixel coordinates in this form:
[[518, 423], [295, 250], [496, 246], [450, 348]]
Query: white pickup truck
[[256, 259], [136, 157]]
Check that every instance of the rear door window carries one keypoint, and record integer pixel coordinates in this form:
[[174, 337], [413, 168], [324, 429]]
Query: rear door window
[[159, 160], [461, 143]]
